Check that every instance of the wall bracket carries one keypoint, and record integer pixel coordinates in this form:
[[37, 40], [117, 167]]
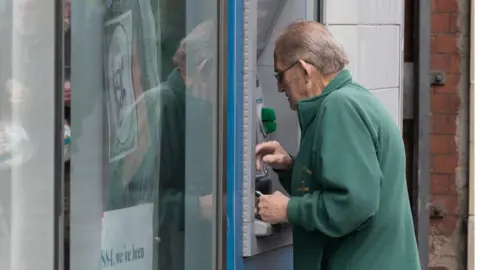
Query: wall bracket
[[437, 77]]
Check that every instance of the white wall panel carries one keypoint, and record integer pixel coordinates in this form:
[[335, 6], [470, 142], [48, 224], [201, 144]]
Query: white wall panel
[[375, 64], [371, 32], [390, 97], [363, 11]]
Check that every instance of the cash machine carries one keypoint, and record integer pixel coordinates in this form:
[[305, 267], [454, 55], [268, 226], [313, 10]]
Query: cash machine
[[266, 116]]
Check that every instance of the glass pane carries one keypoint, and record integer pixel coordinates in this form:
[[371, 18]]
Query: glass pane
[[27, 191], [143, 119]]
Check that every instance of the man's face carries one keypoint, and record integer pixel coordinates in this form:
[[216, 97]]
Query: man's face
[[290, 81]]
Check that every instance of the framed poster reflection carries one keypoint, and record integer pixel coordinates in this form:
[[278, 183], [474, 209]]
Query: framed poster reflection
[[120, 92]]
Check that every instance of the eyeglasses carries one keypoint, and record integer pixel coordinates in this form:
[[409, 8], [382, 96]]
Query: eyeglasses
[[279, 74]]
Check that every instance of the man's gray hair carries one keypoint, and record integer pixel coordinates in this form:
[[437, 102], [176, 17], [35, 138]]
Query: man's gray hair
[[199, 45], [313, 43]]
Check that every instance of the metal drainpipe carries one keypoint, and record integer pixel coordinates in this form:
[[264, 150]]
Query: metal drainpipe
[[472, 162], [422, 126]]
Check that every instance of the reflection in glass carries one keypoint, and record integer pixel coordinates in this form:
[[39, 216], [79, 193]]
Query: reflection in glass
[[27, 135], [143, 156]]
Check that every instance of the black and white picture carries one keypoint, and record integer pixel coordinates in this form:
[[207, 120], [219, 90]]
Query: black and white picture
[[120, 92]]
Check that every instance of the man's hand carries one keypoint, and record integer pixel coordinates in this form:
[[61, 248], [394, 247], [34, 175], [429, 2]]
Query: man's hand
[[273, 154], [67, 94], [273, 208]]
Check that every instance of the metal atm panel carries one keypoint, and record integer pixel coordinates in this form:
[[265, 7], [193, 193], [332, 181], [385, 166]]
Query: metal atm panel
[[260, 18]]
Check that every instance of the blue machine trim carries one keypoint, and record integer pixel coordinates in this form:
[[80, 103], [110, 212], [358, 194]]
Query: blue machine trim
[[234, 135]]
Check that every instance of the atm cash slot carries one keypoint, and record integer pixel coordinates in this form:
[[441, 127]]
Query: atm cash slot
[[264, 185], [262, 228]]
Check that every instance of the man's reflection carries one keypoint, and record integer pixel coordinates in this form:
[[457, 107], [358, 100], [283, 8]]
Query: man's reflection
[[175, 169], [186, 158]]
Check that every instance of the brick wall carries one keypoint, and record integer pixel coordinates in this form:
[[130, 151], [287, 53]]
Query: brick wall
[[449, 134]]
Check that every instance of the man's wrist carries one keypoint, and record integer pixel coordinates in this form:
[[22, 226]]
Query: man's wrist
[[285, 218], [292, 213]]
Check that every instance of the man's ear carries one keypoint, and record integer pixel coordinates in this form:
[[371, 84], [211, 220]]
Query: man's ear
[[308, 69]]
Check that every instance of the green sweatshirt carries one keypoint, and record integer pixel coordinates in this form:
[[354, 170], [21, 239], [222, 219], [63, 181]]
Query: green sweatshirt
[[349, 207]]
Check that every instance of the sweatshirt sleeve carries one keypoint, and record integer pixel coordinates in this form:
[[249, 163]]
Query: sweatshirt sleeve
[[173, 195], [348, 170]]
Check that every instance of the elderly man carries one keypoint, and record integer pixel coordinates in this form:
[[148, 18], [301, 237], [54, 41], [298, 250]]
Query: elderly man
[[349, 204]]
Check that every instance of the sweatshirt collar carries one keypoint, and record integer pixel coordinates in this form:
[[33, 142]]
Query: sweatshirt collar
[[307, 109]]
